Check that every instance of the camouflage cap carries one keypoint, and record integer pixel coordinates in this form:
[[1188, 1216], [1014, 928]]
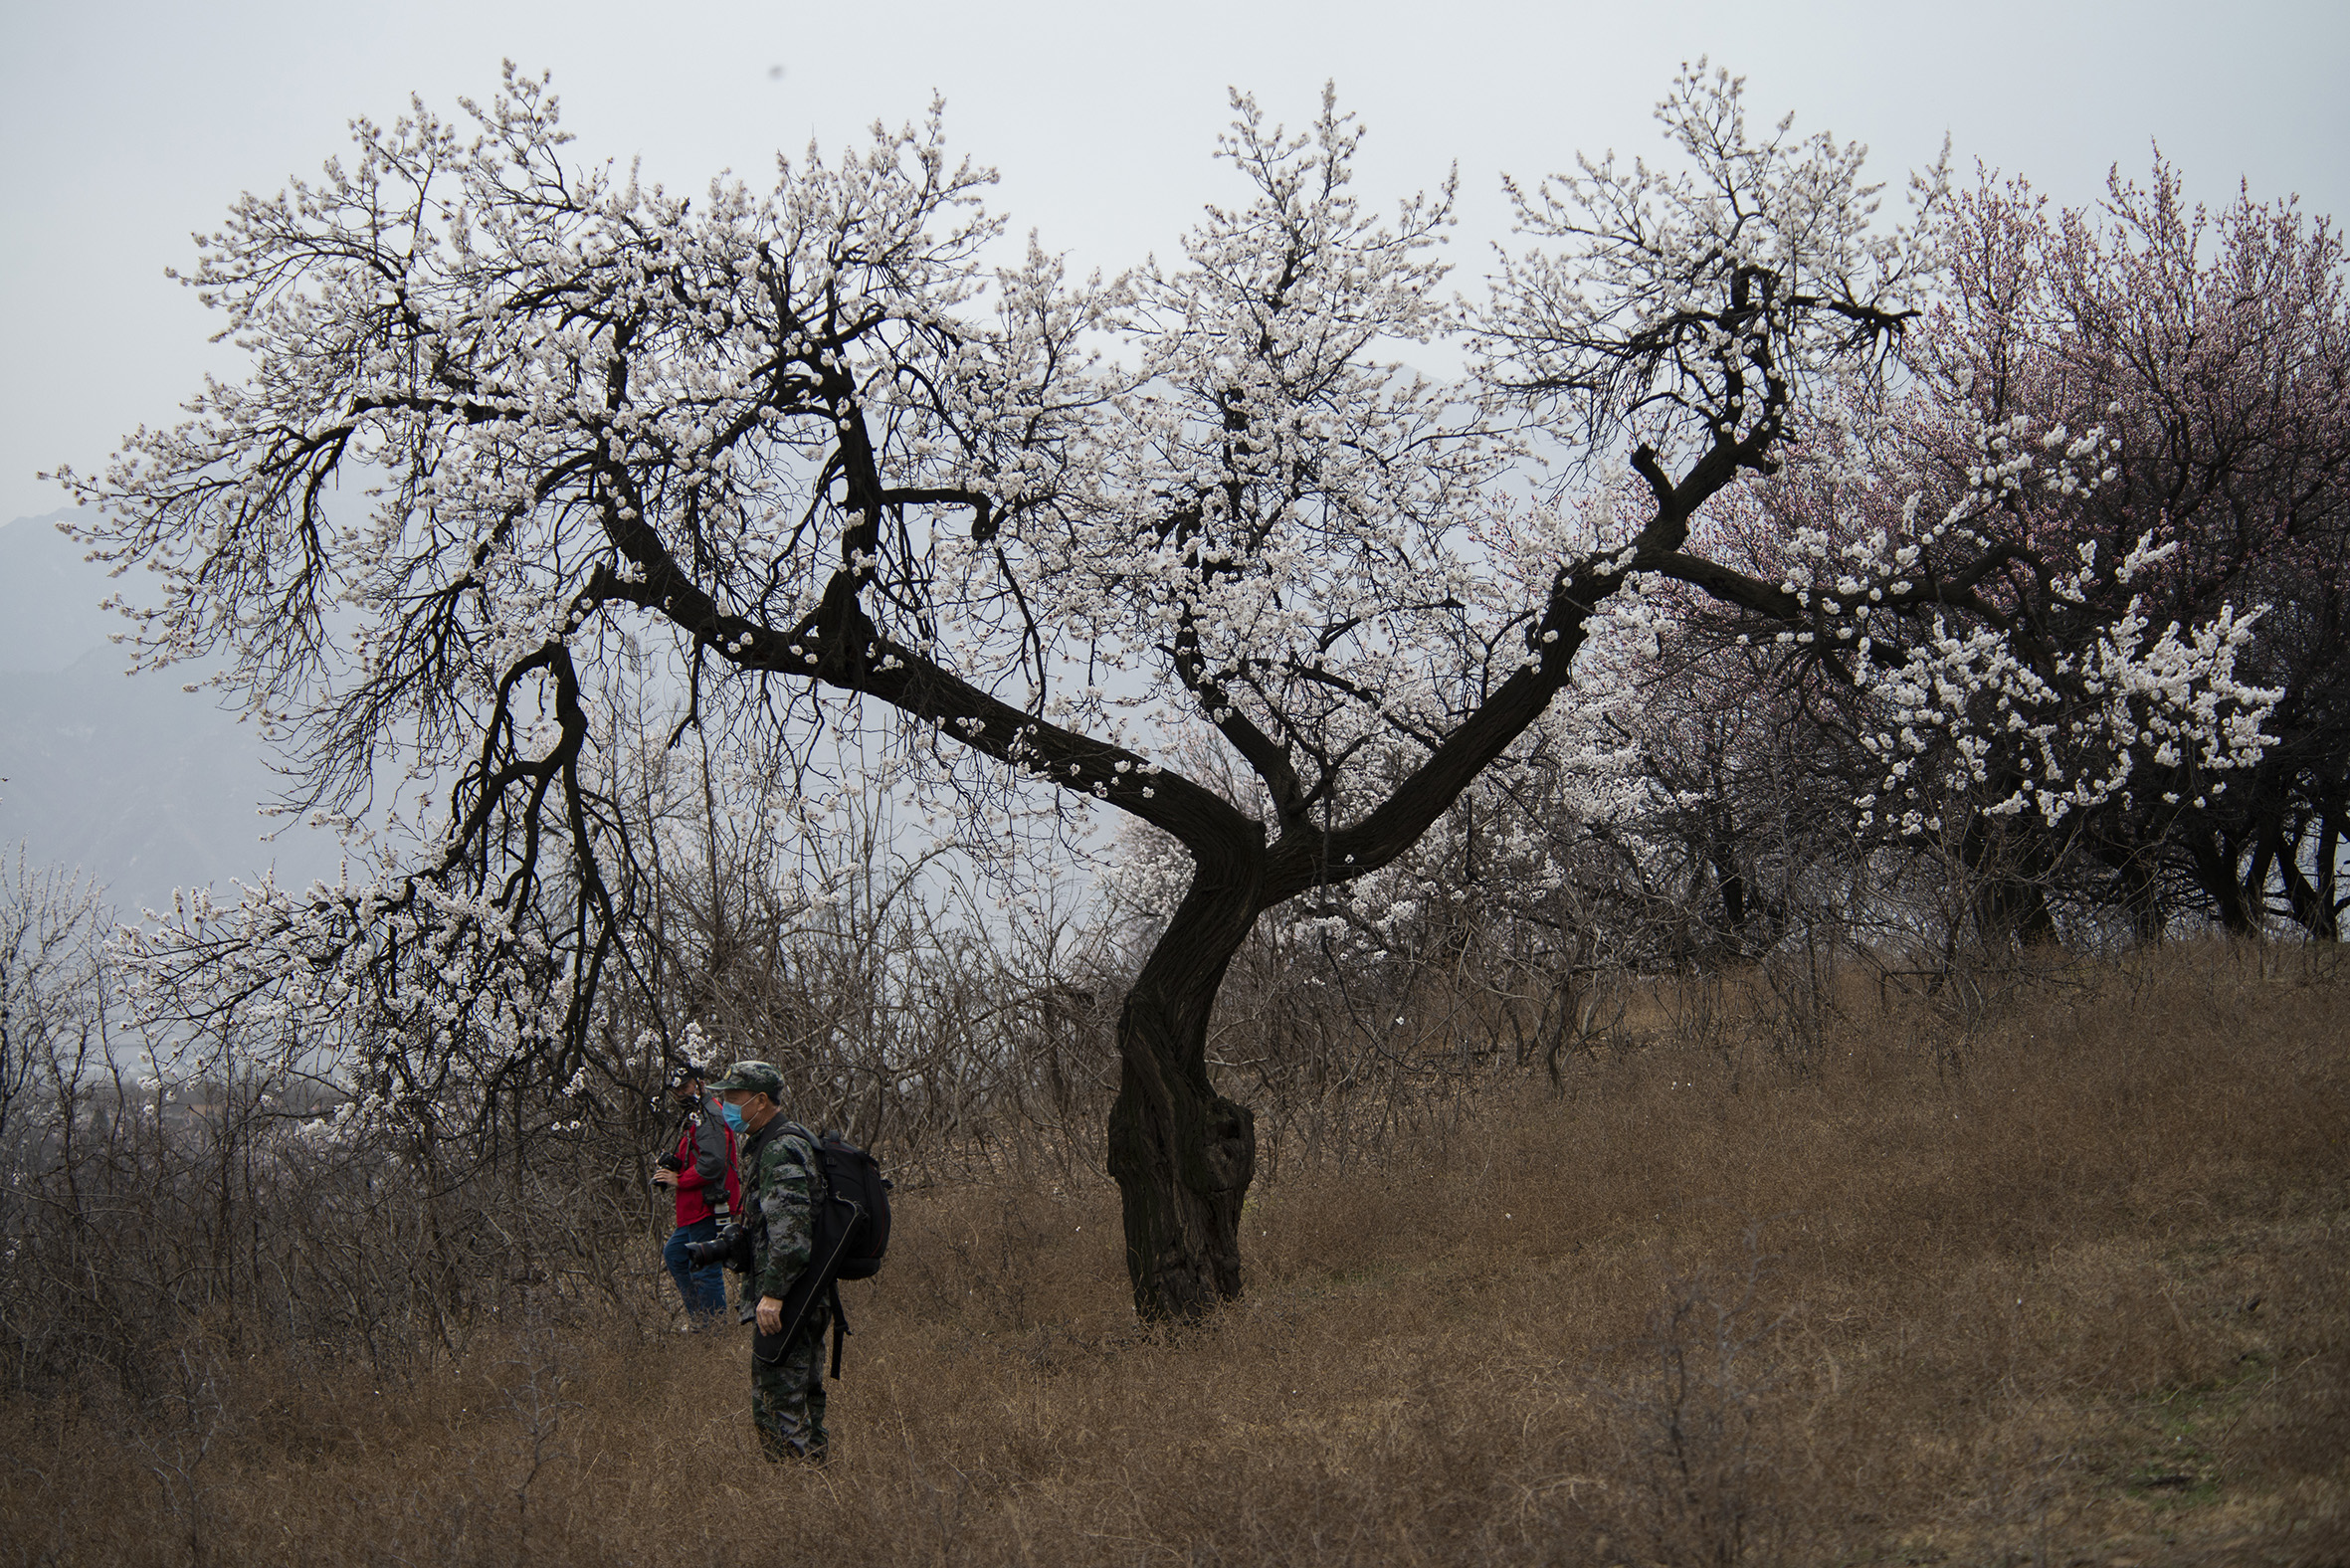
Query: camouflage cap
[[752, 1078]]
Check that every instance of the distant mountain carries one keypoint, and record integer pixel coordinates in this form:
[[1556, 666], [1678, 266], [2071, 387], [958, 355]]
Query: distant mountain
[[49, 597], [139, 784]]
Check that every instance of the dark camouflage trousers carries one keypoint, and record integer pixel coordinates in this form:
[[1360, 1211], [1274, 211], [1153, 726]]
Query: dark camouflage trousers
[[787, 1396]]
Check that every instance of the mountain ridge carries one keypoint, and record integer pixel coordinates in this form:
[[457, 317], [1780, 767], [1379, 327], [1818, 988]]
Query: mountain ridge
[[137, 784]]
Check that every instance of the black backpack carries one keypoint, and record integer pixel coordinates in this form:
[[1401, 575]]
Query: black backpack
[[858, 1204], [851, 1236]]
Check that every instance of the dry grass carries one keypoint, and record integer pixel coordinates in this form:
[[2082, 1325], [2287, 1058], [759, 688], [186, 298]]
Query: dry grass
[[2074, 1288]]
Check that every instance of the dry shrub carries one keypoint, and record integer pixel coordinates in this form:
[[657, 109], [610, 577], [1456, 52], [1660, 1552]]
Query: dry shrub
[[2063, 1284], [1702, 1462]]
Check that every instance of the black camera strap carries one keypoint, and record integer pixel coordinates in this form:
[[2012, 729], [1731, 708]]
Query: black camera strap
[[820, 1280]]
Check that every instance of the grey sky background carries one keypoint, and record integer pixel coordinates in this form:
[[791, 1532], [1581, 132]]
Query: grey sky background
[[128, 125]]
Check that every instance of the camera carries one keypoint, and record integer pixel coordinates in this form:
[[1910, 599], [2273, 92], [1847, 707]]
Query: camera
[[669, 1162], [731, 1246]]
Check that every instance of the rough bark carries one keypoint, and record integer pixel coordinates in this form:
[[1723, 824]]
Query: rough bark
[[1183, 1154], [2329, 847]]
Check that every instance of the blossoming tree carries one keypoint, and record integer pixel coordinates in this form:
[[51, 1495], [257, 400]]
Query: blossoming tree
[[2214, 350], [840, 465], [2118, 470]]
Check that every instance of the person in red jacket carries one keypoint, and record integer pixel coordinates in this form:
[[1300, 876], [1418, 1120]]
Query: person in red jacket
[[699, 1169]]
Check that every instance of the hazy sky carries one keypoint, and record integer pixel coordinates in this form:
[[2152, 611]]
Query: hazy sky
[[126, 126]]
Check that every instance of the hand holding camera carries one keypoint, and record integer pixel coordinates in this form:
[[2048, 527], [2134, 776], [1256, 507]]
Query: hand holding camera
[[731, 1246]]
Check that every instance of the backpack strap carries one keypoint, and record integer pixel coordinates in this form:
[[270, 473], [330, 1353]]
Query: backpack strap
[[841, 1329]]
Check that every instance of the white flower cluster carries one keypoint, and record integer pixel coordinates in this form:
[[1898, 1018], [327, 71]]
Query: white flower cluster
[[1996, 650]]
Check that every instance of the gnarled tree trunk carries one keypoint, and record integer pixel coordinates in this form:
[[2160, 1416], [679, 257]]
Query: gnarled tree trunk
[[1182, 1153]]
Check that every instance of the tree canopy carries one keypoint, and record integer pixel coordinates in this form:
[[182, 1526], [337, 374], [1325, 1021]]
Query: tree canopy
[[814, 449]]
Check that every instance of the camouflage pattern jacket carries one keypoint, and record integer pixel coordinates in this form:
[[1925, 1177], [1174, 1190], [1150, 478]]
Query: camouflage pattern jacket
[[781, 1182]]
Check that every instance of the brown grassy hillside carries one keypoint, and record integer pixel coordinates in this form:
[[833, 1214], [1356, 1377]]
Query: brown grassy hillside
[[2067, 1285]]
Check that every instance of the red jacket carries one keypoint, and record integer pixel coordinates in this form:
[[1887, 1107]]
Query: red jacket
[[705, 1161]]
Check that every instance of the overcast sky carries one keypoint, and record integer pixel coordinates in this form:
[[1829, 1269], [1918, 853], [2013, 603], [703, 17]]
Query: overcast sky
[[126, 126]]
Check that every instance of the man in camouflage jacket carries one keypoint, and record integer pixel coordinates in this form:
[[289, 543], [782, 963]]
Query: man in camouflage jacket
[[781, 1183]]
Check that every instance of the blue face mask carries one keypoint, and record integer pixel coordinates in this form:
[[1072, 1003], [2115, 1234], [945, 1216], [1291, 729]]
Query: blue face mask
[[732, 1113]]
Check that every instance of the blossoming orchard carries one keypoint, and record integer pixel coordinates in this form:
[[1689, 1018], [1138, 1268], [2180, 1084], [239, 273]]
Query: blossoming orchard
[[865, 510]]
